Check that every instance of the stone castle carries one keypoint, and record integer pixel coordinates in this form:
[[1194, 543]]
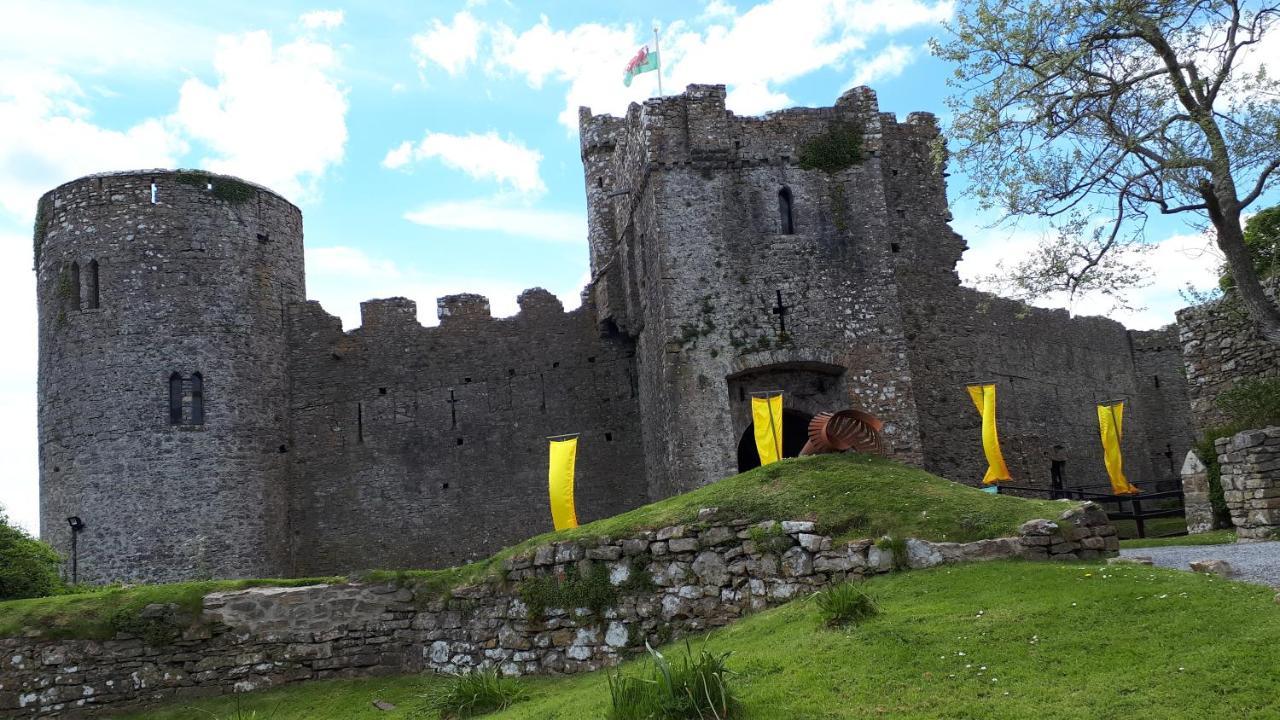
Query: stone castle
[[203, 419]]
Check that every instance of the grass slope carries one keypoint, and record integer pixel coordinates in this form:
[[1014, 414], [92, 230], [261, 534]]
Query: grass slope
[[994, 640], [92, 615], [848, 496]]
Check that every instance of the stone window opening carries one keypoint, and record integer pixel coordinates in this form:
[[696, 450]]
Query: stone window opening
[[175, 399], [359, 422], [785, 216], [92, 287], [895, 247], [73, 289], [181, 392], [1155, 380], [197, 399], [153, 193]]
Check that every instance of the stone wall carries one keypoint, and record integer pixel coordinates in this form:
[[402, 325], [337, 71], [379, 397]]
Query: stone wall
[[422, 446], [1249, 463], [666, 583], [1221, 347], [173, 277]]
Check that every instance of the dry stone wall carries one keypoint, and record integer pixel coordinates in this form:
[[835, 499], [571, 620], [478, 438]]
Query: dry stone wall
[[658, 585], [1221, 347], [1249, 463]]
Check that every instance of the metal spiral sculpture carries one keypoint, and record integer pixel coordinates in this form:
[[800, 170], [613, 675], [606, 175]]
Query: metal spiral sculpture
[[844, 430]]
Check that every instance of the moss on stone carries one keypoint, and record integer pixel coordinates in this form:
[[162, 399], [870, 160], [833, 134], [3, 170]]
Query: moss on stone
[[839, 148], [224, 188]]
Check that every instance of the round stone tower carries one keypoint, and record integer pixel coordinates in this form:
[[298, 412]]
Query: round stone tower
[[163, 374]]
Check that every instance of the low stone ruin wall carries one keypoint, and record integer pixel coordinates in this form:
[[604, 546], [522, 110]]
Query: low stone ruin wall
[[655, 586], [1249, 463]]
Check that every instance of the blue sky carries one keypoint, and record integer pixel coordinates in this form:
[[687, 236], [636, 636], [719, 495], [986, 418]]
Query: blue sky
[[432, 146]]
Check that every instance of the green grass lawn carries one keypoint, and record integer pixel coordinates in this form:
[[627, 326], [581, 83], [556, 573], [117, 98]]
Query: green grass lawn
[[995, 640], [848, 496], [1156, 528], [1215, 537]]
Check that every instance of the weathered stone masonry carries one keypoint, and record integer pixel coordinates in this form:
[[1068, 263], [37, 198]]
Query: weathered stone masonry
[[721, 265], [1249, 463], [701, 575]]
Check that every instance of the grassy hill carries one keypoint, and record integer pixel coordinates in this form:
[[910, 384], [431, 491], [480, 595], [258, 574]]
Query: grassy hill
[[995, 640], [848, 496]]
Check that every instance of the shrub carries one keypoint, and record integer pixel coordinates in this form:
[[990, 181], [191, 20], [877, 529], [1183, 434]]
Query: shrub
[[591, 590], [1252, 403], [897, 546], [475, 693], [695, 688], [838, 148], [845, 605], [28, 567]]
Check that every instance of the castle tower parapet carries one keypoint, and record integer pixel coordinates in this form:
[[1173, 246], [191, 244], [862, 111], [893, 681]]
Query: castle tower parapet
[[462, 307]]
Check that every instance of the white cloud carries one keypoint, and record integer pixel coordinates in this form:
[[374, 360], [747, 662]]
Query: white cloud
[[19, 493], [322, 19], [754, 53], [97, 37], [49, 138], [483, 157], [888, 64], [452, 47], [496, 216], [340, 278], [1174, 263], [276, 116]]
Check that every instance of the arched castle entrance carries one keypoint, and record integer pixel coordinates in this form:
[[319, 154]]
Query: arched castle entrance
[[808, 387], [795, 432]]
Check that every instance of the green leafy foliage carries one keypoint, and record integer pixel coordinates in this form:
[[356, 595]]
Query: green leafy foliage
[[224, 188], [694, 687], [467, 695], [839, 148], [1253, 403], [845, 604], [28, 567], [1095, 116], [591, 590], [896, 545]]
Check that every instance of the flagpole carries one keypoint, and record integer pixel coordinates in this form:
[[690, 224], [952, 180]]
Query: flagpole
[[657, 50]]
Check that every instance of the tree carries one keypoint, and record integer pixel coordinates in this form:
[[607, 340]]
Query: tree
[[1125, 107], [1262, 239], [28, 567]]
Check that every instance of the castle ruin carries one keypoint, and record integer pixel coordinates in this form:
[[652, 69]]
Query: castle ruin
[[204, 419]]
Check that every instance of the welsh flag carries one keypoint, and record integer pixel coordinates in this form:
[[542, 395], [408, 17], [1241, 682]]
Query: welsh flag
[[643, 62]]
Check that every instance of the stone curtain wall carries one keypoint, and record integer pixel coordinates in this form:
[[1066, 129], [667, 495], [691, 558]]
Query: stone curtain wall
[[1220, 347], [1249, 463], [426, 446], [666, 584]]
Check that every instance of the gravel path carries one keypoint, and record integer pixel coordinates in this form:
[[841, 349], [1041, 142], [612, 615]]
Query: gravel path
[[1252, 562]]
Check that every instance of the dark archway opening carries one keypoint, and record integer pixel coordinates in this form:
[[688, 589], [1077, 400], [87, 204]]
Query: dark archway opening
[[795, 433]]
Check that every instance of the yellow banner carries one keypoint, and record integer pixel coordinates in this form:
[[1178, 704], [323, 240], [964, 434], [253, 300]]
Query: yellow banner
[[1111, 426], [766, 416], [984, 398], [560, 483]]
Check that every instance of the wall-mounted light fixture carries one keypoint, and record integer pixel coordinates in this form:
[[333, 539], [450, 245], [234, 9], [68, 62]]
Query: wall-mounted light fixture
[[77, 526]]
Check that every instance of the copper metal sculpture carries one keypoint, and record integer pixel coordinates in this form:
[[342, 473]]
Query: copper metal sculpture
[[844, 430]]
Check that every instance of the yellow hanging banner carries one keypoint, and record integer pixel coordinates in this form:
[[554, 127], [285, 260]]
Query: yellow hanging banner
[[984, 398], [1111, 426], [766, 416], [564, 453]]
